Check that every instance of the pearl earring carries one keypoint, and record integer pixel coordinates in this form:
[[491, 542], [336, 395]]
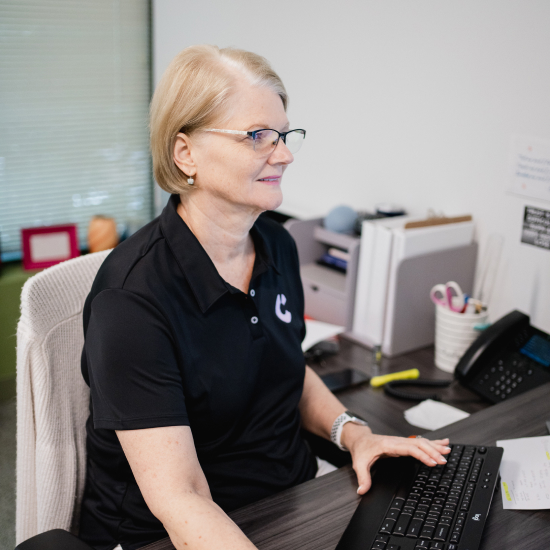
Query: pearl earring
[[190, 181]]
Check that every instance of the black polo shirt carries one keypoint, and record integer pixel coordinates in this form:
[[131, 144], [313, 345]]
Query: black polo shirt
[[169, 343]]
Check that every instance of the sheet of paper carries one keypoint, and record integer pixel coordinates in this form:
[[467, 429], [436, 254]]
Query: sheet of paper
[[432, 415], [317, 331], [525, 473], [530, 167]]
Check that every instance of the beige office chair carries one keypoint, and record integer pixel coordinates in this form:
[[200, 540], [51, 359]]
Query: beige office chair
[[52, 398]]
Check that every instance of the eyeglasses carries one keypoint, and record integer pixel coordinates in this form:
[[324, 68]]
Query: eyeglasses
[[266, 139]]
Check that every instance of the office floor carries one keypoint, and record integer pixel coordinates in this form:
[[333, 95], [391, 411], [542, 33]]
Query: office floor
[[7, 474]]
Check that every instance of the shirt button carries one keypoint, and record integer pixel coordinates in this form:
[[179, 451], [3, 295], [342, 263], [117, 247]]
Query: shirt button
[[254, 320], [252, 293]]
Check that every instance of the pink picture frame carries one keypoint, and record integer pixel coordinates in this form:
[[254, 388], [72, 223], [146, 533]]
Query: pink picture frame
[[46, 246]]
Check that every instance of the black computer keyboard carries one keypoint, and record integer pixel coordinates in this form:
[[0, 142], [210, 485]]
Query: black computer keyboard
[[412, 506]]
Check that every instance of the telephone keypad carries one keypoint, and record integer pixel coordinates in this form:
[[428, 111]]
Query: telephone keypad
[[512, 357], [507, 377]]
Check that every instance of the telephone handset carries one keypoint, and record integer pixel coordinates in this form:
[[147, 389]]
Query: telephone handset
[[508, 358]]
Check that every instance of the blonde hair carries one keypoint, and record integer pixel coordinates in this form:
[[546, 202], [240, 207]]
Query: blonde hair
[[193, 93]]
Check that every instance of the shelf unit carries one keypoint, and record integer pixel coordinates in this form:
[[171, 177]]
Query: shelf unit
[[329, 294]]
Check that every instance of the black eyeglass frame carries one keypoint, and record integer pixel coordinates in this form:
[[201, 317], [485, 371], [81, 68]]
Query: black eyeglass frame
[[253, 133], [282, 135]]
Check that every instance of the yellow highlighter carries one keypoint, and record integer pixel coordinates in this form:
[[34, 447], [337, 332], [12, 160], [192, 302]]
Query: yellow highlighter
[[377, 381]]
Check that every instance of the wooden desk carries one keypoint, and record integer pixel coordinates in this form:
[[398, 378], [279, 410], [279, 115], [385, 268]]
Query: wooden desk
[[313, 516]]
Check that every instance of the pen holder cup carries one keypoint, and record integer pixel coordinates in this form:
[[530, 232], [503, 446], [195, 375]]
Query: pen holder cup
[[454, 333]]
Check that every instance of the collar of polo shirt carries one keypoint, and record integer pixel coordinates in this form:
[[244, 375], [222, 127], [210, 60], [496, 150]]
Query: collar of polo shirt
[[207, 284]]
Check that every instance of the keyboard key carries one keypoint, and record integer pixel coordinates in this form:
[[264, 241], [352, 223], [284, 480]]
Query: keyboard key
[[393, 514], [427, 532], [414, 528], [398, 503], [455, 537], [377, 545], [422, 544], [448, 514], [392, 547], [441, 532], [436, 546], [387, 526], [402, 523]]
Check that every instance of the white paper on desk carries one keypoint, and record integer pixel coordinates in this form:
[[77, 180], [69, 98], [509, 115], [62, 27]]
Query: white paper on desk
[[317, 331], [432, 415], [525, 473]]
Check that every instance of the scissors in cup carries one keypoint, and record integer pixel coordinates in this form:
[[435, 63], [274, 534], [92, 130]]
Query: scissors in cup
[[449, 295]]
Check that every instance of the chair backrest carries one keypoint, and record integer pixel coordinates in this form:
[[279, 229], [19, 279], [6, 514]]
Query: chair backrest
[[52, 397]]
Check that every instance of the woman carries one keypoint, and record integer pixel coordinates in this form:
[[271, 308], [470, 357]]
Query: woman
[[193, 328]]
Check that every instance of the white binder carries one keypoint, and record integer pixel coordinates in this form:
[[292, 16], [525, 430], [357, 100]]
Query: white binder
[[385, 244]]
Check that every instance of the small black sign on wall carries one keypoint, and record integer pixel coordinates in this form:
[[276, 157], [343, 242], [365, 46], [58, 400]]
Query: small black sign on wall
[[536, 227]]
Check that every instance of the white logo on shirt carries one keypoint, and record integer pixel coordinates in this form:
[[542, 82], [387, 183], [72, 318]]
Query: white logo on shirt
[[286, 317]]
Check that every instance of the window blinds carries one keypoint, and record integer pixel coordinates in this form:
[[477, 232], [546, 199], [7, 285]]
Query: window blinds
[[74, 95]]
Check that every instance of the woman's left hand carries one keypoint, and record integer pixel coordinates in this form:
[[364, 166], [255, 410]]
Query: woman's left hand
[[366, 448]]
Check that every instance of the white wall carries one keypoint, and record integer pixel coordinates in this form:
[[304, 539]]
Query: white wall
[[408, 101]]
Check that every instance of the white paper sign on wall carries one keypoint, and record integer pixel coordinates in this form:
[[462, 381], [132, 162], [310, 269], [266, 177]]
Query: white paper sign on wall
[[530, 167]]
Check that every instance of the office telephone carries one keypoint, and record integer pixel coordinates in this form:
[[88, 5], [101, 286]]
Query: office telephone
[[508, 358]]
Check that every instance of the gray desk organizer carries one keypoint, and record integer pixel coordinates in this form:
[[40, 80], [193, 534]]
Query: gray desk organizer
[[413, 312], [329, 294]]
